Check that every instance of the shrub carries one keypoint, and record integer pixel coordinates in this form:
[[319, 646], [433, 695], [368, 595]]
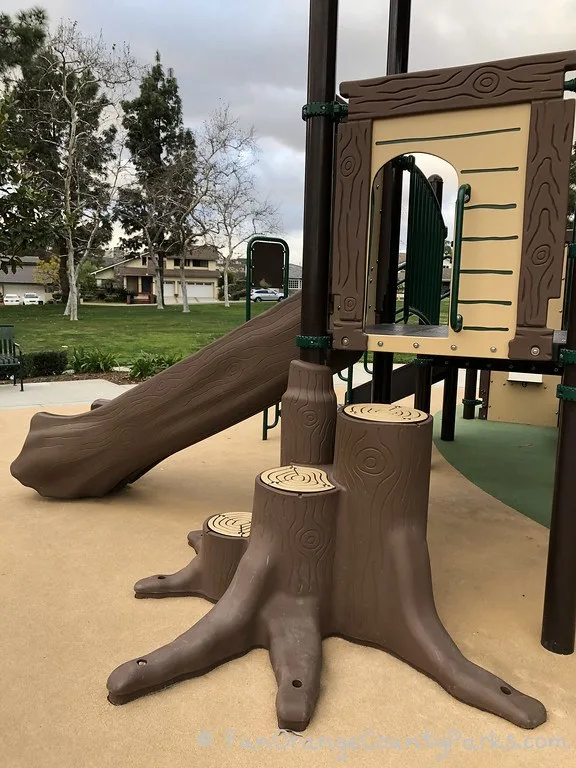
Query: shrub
[[148, 364], [92, 361], [40, 364], [236, 291]]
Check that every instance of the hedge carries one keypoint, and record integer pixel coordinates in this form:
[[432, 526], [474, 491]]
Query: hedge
[[40, 364]]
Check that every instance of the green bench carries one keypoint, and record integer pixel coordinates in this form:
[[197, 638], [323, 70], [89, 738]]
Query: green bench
[[11, 354]]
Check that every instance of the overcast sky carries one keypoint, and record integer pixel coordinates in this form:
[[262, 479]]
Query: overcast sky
[[252, 54]]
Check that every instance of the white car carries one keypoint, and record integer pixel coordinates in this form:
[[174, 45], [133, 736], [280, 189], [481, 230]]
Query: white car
[[32, 299], [11, 299], [265, 294]]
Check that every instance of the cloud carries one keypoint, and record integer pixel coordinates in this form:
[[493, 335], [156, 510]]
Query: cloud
[[253, 55]]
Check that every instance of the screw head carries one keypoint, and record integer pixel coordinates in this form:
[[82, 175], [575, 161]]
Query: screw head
[[380, 343], [415, 345], [535, 351], [492, 349], [453, 347], [345, 341]]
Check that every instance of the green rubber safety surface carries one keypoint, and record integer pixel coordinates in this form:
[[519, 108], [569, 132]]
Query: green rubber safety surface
[[512, 462]]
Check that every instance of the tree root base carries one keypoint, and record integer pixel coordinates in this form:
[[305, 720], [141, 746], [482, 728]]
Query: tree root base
[[332, 549]]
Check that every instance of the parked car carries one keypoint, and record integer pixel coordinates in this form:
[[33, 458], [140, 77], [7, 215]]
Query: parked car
[[11, 299], [266, 294], [32, 299]]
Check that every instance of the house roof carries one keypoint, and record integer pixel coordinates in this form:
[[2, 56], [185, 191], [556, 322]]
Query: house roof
[[23, 274], [189, 272], [111, 266], [295, 271]]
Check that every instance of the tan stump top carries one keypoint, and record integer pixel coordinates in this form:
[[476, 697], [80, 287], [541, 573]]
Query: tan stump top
[[297, 479], [393, 414]]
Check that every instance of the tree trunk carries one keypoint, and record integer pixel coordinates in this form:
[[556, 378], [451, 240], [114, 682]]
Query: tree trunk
[[72, 303], [160, 281], [233, 378], [338, 549], [183, 287], [225, 287], [63, 276]]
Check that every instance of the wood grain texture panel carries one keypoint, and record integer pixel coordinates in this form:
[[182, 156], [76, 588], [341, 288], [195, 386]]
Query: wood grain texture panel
[[385, 468], [544, 228], [350, 222], [511, 81]]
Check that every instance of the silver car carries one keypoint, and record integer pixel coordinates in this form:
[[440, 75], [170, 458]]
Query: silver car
[[266, 294]]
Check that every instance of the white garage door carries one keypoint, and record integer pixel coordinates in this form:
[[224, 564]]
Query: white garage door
[[168, 290], [200, 290]]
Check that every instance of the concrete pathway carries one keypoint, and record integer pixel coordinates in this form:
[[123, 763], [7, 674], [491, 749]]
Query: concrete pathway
[[42, 394]]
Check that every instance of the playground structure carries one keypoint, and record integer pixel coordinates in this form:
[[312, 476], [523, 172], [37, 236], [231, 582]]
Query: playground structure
[[337, 538]]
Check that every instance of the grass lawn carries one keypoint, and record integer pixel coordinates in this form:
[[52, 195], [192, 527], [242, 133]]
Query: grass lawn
[[125, 330], [128, 330]]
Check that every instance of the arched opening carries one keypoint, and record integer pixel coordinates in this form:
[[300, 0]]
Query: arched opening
[[409, 271]]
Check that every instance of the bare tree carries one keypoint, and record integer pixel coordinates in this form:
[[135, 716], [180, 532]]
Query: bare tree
[[241, 214], [205, 185], [70, 98]]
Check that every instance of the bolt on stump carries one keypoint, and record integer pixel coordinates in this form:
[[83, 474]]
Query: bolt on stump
[[334, 549]]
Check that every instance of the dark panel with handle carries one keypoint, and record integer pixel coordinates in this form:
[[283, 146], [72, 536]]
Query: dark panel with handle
[[545, 208], [350, 230]]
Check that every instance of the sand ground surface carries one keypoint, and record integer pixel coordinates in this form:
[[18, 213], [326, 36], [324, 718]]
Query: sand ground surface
[[69, 618]]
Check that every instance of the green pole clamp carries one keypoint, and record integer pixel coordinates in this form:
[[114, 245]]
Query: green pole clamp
[[313, 342], [570, 85], [335, 110], [564, 392], [466, 401], [568, 356], [572, 250]]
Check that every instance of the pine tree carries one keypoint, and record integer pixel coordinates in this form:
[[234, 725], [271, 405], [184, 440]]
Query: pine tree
[[160, 146]]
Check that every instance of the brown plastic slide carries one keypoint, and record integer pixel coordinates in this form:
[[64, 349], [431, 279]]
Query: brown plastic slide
[[94, 453]]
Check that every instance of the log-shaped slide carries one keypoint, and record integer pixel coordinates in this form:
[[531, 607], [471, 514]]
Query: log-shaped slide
[[94, 453]]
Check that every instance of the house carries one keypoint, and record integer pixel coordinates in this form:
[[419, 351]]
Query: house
[[137, 275], [294, 278], [24, 280]]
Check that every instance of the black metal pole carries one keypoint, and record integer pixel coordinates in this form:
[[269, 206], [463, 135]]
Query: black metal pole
[[437, 184], [423, 393], [559, 620], [318, 176], [397, 62], [449, 405], [470, 391]]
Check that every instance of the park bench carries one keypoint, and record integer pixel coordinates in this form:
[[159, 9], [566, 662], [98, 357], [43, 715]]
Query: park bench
[[11, 354]]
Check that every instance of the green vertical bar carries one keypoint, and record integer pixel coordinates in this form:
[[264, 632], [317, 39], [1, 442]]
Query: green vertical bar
[[249, 279]]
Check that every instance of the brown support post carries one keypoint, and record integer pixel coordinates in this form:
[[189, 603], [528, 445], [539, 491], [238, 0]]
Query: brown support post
[[559, 620], [470, 390], [449, 405]]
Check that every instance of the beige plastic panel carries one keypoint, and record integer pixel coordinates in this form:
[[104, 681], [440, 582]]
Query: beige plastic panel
[[481, 151], [515, 402]]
